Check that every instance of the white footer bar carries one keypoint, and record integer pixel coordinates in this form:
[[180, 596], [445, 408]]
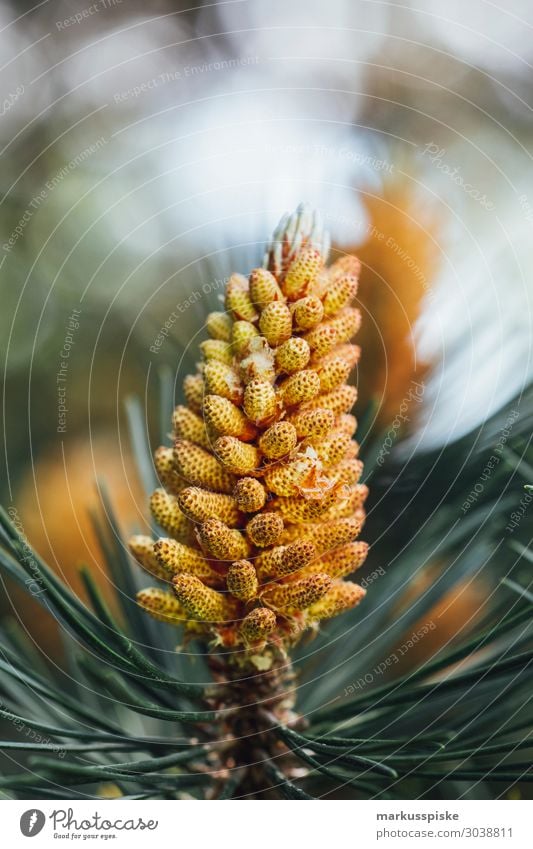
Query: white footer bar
[[322, 824]]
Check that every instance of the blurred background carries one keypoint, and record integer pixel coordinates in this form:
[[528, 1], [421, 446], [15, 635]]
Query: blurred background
[[148, 150]]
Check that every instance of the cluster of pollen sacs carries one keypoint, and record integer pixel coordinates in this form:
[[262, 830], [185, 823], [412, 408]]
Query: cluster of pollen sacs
[[260, 499]]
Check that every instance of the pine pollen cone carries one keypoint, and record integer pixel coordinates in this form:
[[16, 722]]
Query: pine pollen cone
[[260, 505]]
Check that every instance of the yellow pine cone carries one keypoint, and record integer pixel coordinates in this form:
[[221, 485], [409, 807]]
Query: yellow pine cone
[[217, 349], [347, 265], [292, 477], [258, 624], [142, 548], [193, 389], [347, 351], [200, 468], [222, 542], [199, 505], [344, 560], [265, 529], [241, 580], [162, 605], [242, 333], [326, 536], [298, 595], [284, 559], [187, 424], [346, 424], [275, 323], [340, 562], [352, 450], [349, 471], [225, 419], [349, 501], [299, 387], [260, 402], [250, 495], [241, 458], [222, 379], [334, 372], [334, 331], [219, 326], [166, 512], [201, 602], [340, 597], [278, 440], [166, 470], [346, 324], [264, 288], [238, 300], [176, 558], [296, 508], [313, 425], [333, 448], [321, 340], [260, 498], [308, 312], [339, 401], [293, 355], [303, 270], [339, 293]]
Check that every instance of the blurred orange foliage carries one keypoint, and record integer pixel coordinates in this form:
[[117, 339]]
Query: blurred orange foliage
[[399, 259]]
